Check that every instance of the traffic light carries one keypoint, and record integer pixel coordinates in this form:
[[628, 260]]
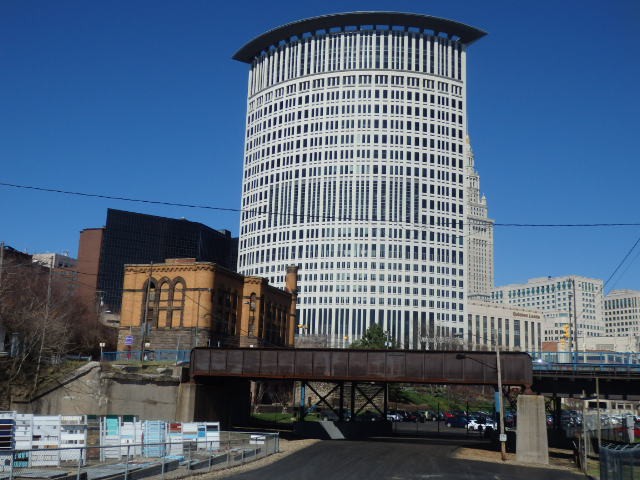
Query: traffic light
[[567, 330]]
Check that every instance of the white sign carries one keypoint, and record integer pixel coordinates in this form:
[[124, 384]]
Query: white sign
[[503, 437]]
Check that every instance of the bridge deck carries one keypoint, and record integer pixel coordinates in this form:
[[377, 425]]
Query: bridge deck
[[406, 366]]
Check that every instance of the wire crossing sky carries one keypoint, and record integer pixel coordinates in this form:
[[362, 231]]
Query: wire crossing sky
[[141, 100]]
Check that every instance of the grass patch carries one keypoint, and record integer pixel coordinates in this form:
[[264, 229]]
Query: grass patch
[[274, 417]]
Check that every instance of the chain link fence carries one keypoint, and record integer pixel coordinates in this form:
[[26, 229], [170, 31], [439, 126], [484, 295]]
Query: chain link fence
[[604, 445], [620, 462], [169, 460]]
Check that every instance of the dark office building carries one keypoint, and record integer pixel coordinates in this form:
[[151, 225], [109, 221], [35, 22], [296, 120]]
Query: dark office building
[[135, 238]]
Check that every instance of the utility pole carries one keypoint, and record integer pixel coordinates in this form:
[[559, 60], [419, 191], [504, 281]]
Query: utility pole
[[503, 439], [44, 327]]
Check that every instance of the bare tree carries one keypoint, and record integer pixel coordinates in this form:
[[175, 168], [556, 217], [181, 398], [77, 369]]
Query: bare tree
[[42, 320]]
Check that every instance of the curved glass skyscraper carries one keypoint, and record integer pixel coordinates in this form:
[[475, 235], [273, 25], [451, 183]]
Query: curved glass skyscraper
[[354, 169]]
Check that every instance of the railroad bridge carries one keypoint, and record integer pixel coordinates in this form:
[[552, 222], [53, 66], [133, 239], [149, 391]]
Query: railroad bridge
[[220, 377]]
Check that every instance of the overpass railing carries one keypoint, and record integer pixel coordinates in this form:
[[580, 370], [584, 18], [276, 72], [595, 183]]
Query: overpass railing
[[586, 357]]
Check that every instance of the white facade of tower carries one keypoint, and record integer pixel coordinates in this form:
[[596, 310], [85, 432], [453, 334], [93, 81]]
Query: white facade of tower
[[480, 270], [354, 170]]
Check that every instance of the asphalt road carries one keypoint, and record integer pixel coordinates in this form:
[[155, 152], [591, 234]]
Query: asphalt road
[[393, 459]]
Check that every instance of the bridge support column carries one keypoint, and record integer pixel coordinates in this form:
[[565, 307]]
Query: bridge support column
[[226, 400], [532, 445], [186, 402]]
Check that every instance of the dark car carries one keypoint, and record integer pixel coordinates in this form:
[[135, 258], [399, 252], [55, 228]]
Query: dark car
[[368, 416], [421, 416], [413, 417], [458, 421]]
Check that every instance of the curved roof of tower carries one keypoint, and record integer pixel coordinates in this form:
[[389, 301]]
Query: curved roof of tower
[[464, 33]]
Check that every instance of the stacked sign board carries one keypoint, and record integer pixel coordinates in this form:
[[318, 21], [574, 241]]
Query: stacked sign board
[[53, 440], [40, 440]]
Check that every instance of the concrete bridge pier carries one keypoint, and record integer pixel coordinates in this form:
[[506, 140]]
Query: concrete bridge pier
[[224, 400], [532, 445]]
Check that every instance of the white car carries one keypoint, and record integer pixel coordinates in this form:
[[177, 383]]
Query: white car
[[481, 424]]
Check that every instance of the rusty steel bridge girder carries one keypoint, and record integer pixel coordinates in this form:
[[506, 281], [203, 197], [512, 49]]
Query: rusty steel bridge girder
[[388, 366]]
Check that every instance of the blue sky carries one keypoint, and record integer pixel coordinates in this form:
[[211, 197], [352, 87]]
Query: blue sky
[[142, 99]]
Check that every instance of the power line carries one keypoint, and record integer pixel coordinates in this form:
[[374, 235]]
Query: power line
[[264, 211], [624, 259]]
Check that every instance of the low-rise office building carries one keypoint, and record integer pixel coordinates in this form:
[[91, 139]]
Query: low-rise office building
[[510, 327], [622, 313], [570, 302]]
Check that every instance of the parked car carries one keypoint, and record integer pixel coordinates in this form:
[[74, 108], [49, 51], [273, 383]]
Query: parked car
[[429, 415], [480, 424], [413, 417], [421, 417], [394, 416], [459, 421]]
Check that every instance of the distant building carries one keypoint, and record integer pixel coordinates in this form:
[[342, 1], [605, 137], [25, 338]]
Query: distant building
[[622, 313], [182, 304], [613, 343], [565, 301], [63, 266], [480, 270], [10, 254], [136, 238], [55, 260], [510, 327], [89, 266], [9, 257]]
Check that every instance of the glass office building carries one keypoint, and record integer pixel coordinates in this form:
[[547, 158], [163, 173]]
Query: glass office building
[[135, 238]]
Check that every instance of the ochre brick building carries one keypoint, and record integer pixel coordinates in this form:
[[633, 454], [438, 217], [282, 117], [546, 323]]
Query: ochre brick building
[[185, 304]]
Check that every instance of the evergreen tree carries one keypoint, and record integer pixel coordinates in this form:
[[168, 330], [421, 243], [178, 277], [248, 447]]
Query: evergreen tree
[[374, 338]]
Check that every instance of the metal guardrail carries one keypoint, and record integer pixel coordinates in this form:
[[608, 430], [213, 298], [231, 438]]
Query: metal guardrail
[[177, 356], [169, 460]]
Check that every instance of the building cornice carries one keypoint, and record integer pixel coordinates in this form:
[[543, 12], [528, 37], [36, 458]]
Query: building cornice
[[326, 23]]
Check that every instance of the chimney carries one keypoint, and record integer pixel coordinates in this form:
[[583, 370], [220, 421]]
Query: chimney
[[291, 280], [291, 286]]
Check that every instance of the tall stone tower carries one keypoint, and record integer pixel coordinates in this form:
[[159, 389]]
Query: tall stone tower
[[480, 269]]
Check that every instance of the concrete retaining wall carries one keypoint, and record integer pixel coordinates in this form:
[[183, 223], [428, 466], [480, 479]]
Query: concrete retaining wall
[[91, 390]]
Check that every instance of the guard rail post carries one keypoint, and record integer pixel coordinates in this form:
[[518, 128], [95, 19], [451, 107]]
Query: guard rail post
[[126, 465], [79, 463]]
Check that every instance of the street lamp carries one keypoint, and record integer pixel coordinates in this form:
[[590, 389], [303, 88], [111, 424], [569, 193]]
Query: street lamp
[[503, 437], [147, 345], [102, 345]]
